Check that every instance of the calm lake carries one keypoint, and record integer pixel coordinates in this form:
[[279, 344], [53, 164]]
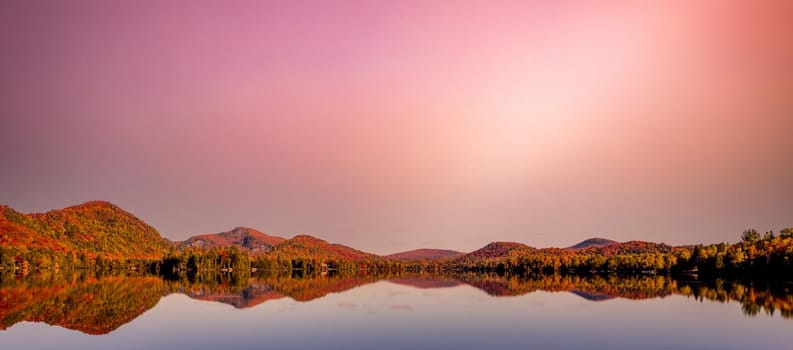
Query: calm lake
[[407, 311]]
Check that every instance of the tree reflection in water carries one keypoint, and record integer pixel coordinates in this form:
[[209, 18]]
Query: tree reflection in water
[[98, 303]]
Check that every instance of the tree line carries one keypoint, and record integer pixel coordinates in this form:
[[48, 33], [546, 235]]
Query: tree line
[[766, 255]]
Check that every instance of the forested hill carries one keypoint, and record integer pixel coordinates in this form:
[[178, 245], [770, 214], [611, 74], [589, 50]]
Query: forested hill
[[592, 242], [102, 235], [88, 229], [495, 251], [245, 238], [311, 247], [425, 254]]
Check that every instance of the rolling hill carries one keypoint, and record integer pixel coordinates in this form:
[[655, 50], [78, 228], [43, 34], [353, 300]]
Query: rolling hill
[[311, 247], [245, 238], [91, 228], [500, 250], [14, 233], [495, 251], [630, 247], [592, 242], [101, 234], [425, 254]]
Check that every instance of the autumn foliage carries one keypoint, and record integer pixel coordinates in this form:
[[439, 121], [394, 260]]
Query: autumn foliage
[[101, 302], [100, 235]]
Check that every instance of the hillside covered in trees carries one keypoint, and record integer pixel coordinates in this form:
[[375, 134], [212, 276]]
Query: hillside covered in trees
[[592, 242], [251, 241], [84, 234], [100, 235], [425, 254]]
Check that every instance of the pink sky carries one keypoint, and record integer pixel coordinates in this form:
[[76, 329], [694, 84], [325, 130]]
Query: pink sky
[[393, 126]]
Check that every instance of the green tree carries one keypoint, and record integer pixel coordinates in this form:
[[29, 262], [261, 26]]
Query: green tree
[[750, 236]]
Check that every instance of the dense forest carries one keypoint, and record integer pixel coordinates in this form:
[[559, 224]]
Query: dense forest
[[766, 256], [754, 255], [101, 236]]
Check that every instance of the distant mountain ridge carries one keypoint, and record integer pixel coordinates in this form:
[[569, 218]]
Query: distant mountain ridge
[[100, 227], [592, 242], [630, 247], [425, 254]]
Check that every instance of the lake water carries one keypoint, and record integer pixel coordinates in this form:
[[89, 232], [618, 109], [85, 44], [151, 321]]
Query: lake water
[[463, 311]]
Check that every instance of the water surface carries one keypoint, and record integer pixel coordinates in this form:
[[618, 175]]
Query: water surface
[[461, 311]]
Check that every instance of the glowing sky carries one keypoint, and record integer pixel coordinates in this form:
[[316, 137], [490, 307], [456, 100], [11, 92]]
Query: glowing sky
[[390, 126]]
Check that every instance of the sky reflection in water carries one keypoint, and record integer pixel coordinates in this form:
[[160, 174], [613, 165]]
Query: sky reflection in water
[[405, 312]]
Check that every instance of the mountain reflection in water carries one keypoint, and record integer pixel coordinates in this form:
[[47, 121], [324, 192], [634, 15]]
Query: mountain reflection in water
[[100, 303]]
